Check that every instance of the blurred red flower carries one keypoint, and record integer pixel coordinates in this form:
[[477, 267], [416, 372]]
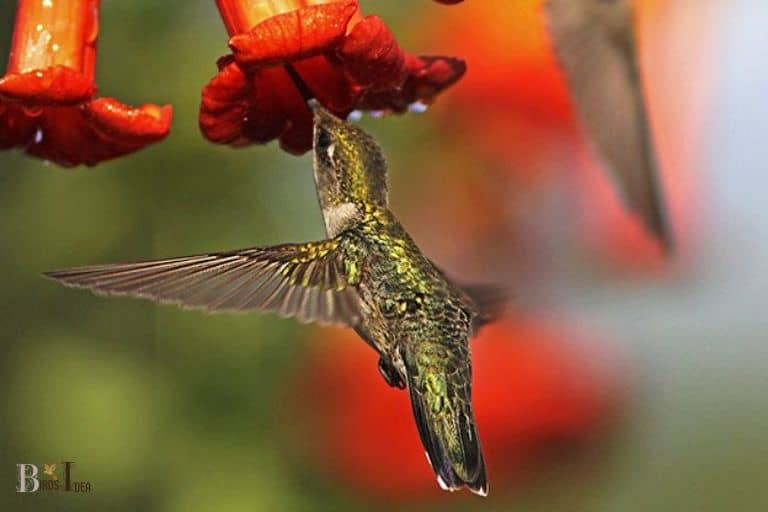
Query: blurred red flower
[[538, 390], [348, 62], [47, 103]]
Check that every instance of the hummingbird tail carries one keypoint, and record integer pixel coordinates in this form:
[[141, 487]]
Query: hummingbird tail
[[450, 441]]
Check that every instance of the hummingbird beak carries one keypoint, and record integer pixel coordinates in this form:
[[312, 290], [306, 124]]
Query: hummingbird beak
[[304, 90]]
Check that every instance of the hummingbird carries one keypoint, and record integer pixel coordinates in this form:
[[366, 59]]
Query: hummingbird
[[368, 274], [594, 41]]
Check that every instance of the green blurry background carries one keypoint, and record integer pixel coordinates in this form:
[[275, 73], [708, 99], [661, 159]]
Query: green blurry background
[[171, 410]]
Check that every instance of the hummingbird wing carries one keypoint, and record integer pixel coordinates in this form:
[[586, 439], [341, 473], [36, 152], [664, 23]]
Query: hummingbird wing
[[486, 300], [594, 42], [307, 281]]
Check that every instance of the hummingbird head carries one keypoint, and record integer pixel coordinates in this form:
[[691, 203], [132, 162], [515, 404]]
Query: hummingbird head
[[349, 166]]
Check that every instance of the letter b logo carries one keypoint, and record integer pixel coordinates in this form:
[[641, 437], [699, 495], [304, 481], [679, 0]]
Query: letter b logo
[[27, 478]]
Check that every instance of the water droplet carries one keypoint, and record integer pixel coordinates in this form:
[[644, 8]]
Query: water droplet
[[39, 27], [38, 136], [355, 115], [48, 3], [418, 107], [376, 114]]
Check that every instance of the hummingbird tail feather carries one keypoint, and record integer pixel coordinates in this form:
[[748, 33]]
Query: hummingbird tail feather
[[451, 443]]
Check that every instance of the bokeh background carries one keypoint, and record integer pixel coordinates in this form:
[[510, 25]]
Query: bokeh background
[[616, 382]]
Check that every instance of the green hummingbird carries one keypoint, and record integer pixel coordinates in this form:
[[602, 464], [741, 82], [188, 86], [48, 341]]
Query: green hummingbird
[[368, 274]]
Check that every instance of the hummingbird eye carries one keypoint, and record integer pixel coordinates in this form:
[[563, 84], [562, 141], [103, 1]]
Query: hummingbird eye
[[325, 147], [322, 139]]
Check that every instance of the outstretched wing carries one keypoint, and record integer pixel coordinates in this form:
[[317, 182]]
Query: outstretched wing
[[594, 41], [307, 281]]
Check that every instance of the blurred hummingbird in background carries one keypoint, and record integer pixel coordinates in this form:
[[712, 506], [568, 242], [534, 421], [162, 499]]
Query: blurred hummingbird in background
[[594, 41], [367, 274]]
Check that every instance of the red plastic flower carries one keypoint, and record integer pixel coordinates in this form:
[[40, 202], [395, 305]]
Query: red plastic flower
[[538, 391], [348, 62], [47, 103]]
